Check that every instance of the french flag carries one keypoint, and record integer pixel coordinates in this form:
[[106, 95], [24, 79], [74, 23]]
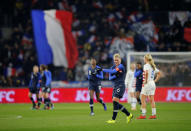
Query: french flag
[[9, 71], [54, 41]]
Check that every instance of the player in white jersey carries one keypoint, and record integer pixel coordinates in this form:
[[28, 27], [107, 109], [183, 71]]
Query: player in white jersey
[[130, 86], [148, 88]]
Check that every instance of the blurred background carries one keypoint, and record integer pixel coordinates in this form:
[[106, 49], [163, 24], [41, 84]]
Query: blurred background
[[98, 27]]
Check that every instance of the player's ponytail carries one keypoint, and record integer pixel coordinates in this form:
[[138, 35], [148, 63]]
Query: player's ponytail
[[150, 60]]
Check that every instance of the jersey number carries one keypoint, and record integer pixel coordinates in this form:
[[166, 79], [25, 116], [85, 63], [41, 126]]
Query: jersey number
[[152, 74], [90, 72]]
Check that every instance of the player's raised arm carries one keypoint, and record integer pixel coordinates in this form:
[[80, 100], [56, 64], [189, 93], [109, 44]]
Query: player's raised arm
[[112, 71]]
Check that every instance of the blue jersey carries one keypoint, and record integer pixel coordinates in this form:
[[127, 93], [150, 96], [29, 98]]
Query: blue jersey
[[116, 74], [95, 76], [35, 81], [46, 78], [139, 77]]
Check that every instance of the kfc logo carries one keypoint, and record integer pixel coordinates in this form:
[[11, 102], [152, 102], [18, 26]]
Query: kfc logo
[[7, 96], [83, 95], [178, 95], [53, 95]]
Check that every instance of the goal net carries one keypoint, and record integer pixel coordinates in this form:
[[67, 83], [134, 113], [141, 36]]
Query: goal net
[[175, 67]]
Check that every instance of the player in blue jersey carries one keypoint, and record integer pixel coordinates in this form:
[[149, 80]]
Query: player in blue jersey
[[139, 81], [34, 86], [117, 76], [46, 78], [94, 76]]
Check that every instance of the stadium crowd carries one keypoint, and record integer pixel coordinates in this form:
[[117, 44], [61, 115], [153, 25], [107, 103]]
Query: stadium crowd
[[96, 26]]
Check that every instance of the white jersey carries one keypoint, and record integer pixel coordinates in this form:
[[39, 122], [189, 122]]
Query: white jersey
[[129, 79], [151, 72]]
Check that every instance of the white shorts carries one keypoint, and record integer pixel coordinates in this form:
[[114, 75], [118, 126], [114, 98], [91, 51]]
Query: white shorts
[[149, 88], [131, 89]]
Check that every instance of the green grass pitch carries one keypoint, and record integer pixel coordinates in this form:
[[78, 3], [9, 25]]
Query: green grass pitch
[[75, 117]]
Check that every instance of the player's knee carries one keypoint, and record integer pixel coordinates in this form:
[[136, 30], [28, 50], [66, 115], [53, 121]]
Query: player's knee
[[152, 101], [46, 95], [98, 99], [30, 95]]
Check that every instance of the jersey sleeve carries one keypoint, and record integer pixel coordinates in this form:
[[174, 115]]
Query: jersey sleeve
[[120, 67], [157, 70], [50, 75], [48, 80]]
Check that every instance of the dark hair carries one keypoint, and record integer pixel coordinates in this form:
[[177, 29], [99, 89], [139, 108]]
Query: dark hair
[[138, 62], [43, 67]]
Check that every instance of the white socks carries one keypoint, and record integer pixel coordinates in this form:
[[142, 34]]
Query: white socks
[[133, 102], [153, 111], [143, 111]]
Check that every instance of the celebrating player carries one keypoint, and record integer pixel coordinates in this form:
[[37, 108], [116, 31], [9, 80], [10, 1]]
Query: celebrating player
[[94, 76], [139, 81], [46, 78], [148, 88], [129, 82], [34, 86], [117, 75]]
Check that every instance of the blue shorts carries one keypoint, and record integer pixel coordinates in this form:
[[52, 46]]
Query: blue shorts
[[34, 90], [46, 89], [138, 88], [118, 91], [96, 88]]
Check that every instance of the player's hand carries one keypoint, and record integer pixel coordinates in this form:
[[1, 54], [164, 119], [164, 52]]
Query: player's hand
[[145, 82], [94, 73], [99, 69], [118, 73]]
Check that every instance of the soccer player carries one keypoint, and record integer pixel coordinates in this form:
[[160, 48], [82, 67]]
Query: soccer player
[[117, 75], [139, 80], [130, 82], [34, 86], [46, 78], [94, 76], [148, 88]]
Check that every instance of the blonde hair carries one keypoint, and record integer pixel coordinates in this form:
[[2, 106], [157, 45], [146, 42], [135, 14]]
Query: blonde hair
[[117, 55], [149, 58]]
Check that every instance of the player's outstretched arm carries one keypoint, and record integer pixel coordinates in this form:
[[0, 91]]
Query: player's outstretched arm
[[112, 71]]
